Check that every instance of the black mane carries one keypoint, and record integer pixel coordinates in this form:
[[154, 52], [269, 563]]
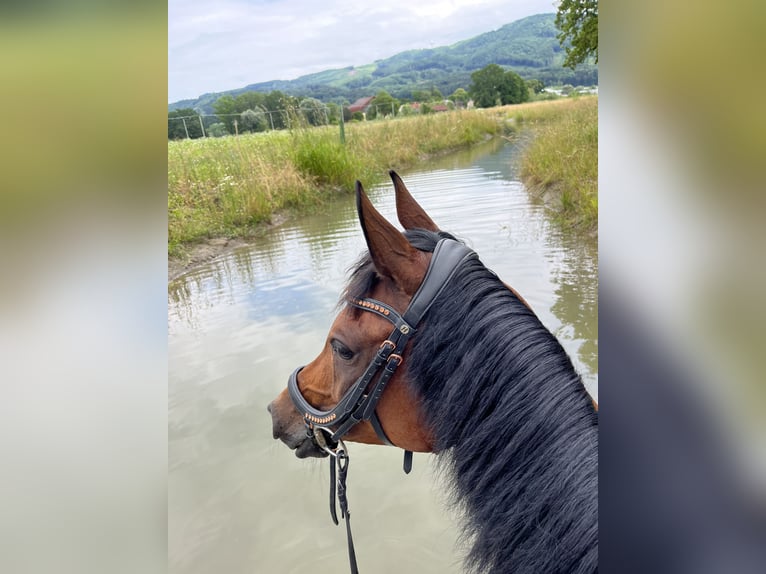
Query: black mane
[[513, 425]]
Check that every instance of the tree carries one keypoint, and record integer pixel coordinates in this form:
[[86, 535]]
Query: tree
[[384, 104], [515, 89], [421, 95], [253, 120], [492, 86], [460, 97], [487, 85], [225, 107], [285, 105], [218, 129], [176, 129], [249, 101], [577, 21], [333, 112], [535, 85], [314, 111]]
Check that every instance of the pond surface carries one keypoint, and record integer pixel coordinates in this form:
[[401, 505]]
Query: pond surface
[[238, 501]]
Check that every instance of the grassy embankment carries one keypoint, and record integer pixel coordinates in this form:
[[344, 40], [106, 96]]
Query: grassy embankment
[[561, 163], [225, 187]]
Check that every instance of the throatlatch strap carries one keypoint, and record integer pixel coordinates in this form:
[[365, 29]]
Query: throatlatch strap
[[375, 421], [378, 428]]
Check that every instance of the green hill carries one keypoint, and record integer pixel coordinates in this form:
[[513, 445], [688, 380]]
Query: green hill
[[528, 46]]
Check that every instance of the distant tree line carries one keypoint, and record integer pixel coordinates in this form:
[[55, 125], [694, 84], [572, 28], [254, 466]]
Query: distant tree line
[[182, 123], [251, 111]]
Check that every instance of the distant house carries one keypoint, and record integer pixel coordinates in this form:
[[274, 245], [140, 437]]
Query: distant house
[[361, 105]]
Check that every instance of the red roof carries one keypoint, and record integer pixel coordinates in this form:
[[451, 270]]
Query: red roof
[[360, 104]]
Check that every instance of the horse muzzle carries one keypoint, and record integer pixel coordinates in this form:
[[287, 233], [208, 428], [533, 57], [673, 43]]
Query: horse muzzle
[[288, 426]]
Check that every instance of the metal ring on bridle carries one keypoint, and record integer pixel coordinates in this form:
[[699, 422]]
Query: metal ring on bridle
[[321, 440]]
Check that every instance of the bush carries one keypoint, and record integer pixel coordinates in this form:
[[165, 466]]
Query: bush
[[217, 130]]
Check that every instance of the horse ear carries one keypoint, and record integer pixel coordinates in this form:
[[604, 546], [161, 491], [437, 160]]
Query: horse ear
[[391, 253], [409, 212]]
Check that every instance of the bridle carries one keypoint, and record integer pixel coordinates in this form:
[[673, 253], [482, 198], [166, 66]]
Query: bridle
[[326, 428], [359, 402]]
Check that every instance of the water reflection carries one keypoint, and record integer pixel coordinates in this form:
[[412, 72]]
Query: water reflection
[[241, 323], [576, 305]]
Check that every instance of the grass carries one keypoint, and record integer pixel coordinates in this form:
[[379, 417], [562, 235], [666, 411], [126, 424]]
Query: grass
[[226, 187], [561, 163]]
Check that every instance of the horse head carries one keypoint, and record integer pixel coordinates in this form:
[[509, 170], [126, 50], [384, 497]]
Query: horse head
[[356, 336]]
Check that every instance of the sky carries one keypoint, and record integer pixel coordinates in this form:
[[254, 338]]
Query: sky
[[217, 45]]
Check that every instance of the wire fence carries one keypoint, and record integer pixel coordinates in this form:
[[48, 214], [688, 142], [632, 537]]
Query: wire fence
[[216, 125]]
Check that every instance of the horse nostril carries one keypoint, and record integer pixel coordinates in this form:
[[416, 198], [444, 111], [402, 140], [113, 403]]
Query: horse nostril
[[268, 408]]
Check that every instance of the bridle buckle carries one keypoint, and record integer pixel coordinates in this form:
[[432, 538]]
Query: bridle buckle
[[387, 343]]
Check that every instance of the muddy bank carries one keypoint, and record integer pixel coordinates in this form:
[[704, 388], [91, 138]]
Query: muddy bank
[[208, 249], [201, 253], [551, 196]]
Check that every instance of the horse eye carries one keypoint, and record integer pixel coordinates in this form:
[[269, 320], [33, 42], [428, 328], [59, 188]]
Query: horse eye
[[342, 351]]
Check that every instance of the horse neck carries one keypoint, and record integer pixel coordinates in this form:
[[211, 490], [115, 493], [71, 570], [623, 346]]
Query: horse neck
[[515, 426]]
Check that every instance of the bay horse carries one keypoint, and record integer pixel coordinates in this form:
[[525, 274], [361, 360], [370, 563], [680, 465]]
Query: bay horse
[[482, 384]]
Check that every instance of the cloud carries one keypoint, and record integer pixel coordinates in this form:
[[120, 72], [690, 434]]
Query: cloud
[[225, 45]]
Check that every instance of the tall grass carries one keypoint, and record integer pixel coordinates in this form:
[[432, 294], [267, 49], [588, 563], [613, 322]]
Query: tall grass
[[561, 163], [227, 186]]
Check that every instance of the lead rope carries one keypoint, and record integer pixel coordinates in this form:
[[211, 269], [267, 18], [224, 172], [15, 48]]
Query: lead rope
[[343, 460], [339, 458], [339, 461]]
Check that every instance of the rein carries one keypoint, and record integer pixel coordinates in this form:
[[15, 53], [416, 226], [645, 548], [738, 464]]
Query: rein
[[326, 428]]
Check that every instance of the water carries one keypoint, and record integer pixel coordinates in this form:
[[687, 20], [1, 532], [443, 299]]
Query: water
[[240, 501]]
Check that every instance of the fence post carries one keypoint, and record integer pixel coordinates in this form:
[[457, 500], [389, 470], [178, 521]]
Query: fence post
[[236, 129], [271, 121], [202, 126], [185, 128], [342, 129]]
